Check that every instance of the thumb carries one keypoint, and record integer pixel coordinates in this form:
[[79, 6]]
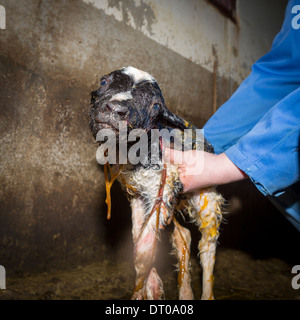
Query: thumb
[[172, 156]]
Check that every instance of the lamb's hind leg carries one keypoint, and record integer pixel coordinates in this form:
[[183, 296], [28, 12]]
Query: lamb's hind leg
[[181, 241], [208, 217]]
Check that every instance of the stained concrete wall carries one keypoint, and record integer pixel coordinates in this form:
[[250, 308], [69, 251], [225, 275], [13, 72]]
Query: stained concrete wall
[[52, 210]]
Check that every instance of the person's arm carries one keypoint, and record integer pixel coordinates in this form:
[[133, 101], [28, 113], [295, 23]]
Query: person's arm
[[274, 76], [211, 170], [258, 128], [268, 154]]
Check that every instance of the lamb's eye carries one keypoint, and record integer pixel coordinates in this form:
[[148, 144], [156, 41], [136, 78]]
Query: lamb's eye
[[156, 107], [103, 82]]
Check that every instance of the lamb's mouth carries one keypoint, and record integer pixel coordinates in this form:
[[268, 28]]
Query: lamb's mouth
[[104, 125]]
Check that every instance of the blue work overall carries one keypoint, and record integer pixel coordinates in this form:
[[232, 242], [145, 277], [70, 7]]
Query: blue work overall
[[259, 126]]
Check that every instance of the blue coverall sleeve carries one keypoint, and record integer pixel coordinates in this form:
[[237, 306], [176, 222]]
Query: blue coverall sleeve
[[258, 127], [269, 153]]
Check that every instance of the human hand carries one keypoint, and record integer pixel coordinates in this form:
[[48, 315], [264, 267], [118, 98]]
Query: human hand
[[199, 169]]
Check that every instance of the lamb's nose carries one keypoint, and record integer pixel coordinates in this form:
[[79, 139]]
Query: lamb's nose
[[116, 108]]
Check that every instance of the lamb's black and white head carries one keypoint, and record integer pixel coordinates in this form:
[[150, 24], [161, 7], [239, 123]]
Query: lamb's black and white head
[[133, 96]]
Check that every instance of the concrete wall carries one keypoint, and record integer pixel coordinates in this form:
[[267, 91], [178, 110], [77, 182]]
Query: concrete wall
[[52, 53]]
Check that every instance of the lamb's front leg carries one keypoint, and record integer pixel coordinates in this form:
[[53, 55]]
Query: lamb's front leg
[[161, 202], [148, 284]]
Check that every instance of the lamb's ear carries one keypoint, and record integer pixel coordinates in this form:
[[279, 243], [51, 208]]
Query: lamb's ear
[[159, 108], [177, 122], [174, 120]]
